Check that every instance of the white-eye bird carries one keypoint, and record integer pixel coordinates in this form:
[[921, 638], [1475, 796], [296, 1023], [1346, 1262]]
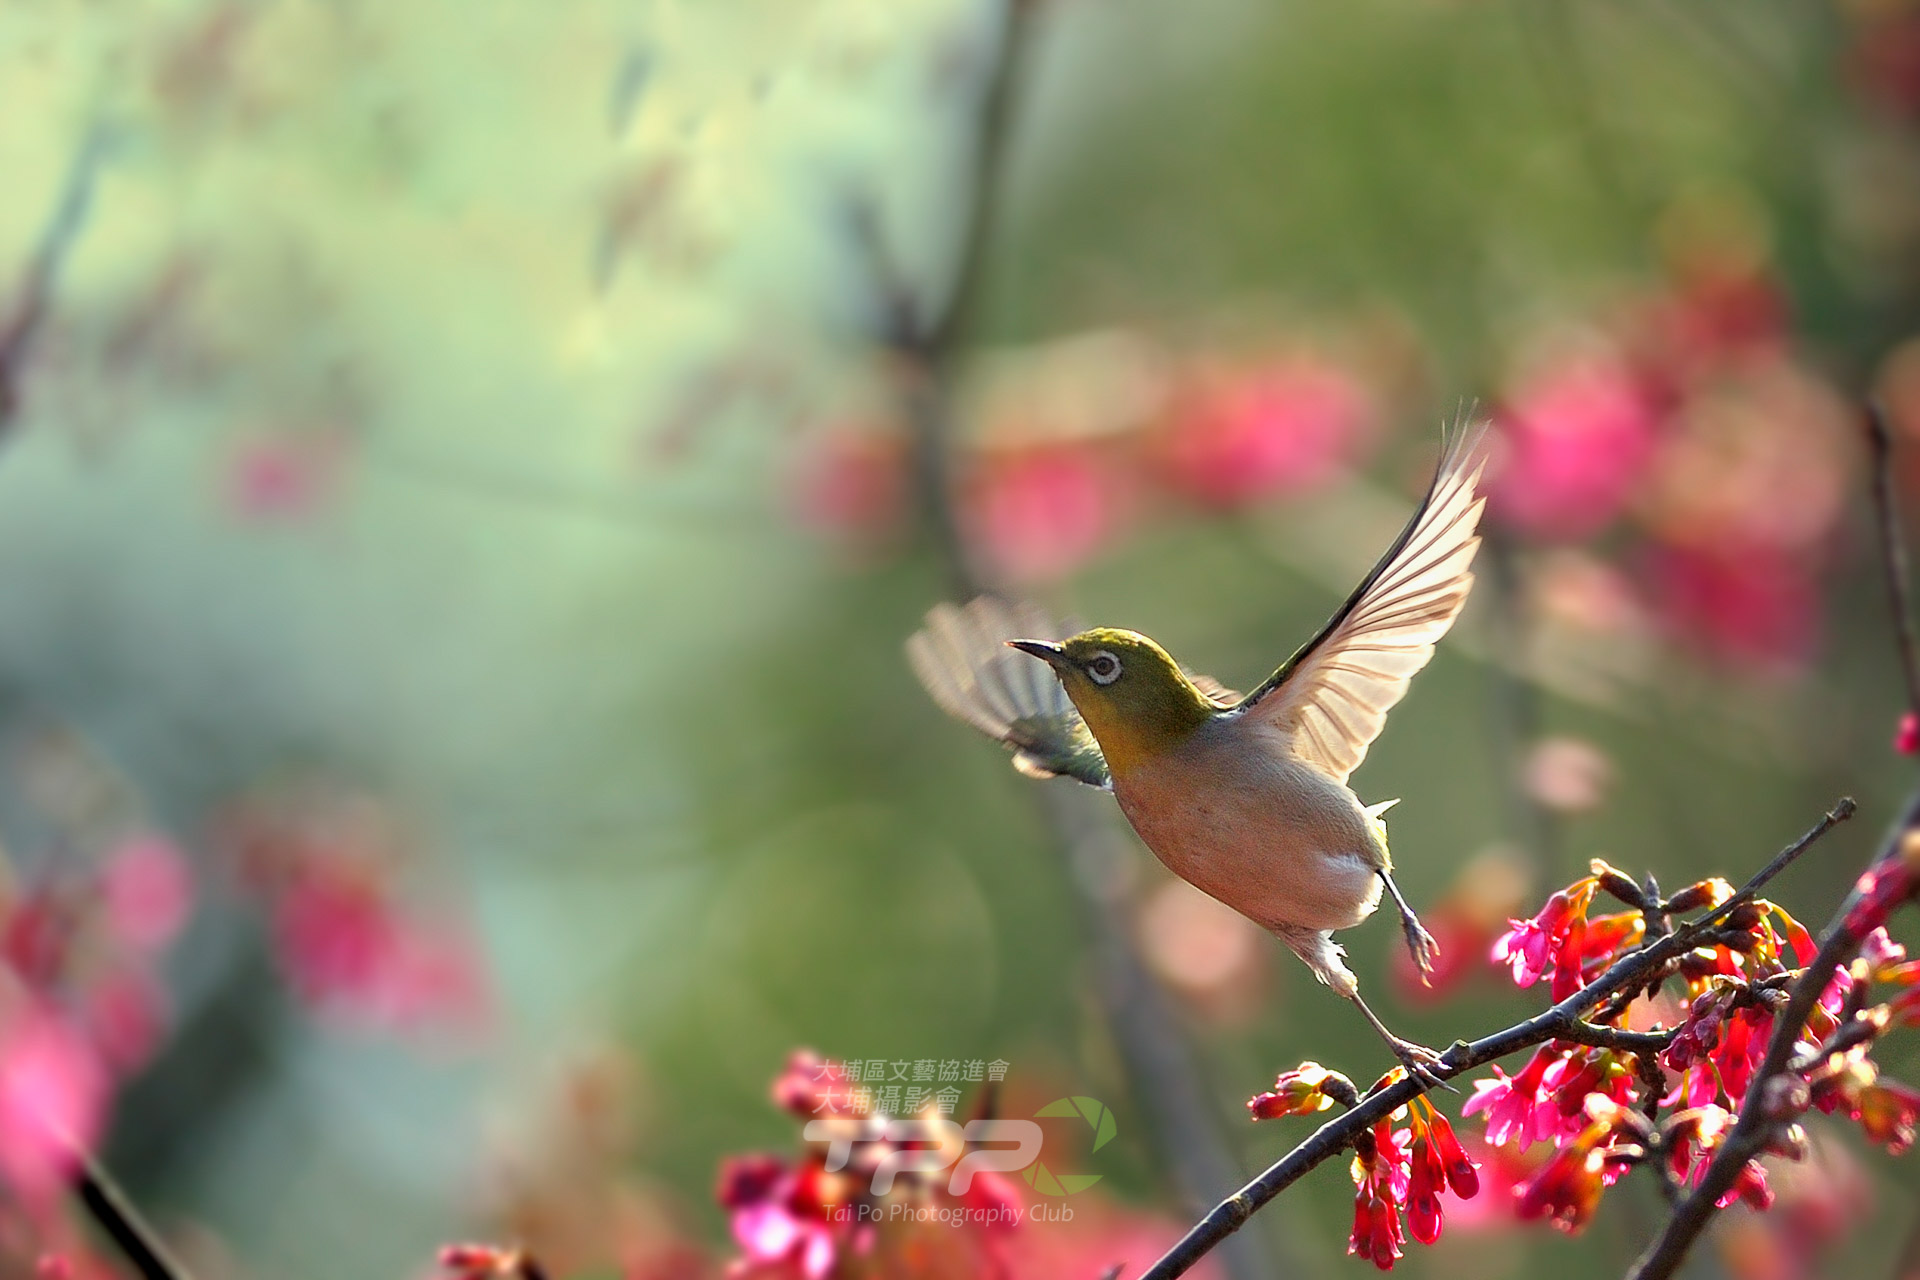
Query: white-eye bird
[[1245, 798]]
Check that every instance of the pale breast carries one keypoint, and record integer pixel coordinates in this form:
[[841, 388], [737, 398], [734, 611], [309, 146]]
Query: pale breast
[[1272, 838]]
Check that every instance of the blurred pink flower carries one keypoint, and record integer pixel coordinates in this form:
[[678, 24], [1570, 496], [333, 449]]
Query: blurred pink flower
[[851, 484], [1038, 512], [1883, 59], [126, 1013], [147, 891], [1472, 912], [1818, 1200], [346, 946], [1289, 426], [53, 1093], [37, 934], [1579, 435], [1753, 605], [1760, 458], [284, 475]]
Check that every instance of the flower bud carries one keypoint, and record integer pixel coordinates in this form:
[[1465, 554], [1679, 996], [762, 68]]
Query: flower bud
[[1704, 893], [1307, 1088], [1619, 884]]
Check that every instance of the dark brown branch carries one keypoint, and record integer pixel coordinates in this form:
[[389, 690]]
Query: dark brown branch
[[1580, 1031], [1755, 1126], [1564, 1021], [34, 296], [122, 1223], [1893, 552]]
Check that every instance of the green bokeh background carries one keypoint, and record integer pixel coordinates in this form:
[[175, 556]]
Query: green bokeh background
[[666, 745]]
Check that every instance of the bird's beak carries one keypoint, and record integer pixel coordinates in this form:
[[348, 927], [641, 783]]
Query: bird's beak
[[1046, 650]]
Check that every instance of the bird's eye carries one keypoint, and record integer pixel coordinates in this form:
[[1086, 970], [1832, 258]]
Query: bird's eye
[[1103, 667]]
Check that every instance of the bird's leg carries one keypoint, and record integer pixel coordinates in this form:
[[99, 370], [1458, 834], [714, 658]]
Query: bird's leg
[[1419, 1060], [1421, 943]]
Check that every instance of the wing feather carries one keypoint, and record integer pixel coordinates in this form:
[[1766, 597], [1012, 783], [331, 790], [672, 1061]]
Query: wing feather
[[1332, 697], [962, 659]]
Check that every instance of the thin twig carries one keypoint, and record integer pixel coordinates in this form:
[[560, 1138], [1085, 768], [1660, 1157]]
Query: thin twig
[[1838, 946], [1563, 1021], [1843, 808], [1893, 552], [109, 1207]]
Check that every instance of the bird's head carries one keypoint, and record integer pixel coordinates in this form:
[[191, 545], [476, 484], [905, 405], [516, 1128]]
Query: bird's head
[[1130, 691]]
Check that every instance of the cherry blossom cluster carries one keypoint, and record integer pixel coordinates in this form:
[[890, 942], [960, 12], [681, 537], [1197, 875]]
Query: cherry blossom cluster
[[1396, 1170], [1657, 1074], [802, 1216], [326, 866], [1670, 1096], [81, 1004], [489, 1262]]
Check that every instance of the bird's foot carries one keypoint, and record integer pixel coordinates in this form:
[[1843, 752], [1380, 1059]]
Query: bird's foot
[[1420, 943], [1423, 945], [1421, 1063]]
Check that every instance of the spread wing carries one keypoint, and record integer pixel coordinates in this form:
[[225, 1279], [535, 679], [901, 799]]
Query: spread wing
[[1332, 697], [962, 658]]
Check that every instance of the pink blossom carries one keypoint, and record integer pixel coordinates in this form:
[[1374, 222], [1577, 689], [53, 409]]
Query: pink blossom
[[1038, 513], [1879, 949], [53, 1093], [35, 937], [1517, 1108], [852, 484], [1527, 948], [1752, 604], [1382, 1180], [1290, 426], [345, 945], [147, 890], [771, 1233], [334, 934], [125, 1012], [781, 1215], [284, 475], [1531, 947], [1579, 436]]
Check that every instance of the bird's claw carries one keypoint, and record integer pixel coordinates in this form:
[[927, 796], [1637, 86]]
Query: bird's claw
[[1420, 1063], [1424, 946]]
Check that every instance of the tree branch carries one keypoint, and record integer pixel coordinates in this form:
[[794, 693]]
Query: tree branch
[[34, 296], [1838, 946], [1564, 1021], [1893, 552], [116, 1216]]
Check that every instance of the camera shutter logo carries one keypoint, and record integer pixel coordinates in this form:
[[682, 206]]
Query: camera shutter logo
[[1098, 1118]]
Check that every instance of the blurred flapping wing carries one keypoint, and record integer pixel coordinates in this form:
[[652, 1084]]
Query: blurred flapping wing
[[962, 658], [1332, 697]]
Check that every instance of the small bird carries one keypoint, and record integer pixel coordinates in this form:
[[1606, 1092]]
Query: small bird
[[1245, 798]]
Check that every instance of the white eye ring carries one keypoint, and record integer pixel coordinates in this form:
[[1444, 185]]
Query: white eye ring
[[1103, 668]]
